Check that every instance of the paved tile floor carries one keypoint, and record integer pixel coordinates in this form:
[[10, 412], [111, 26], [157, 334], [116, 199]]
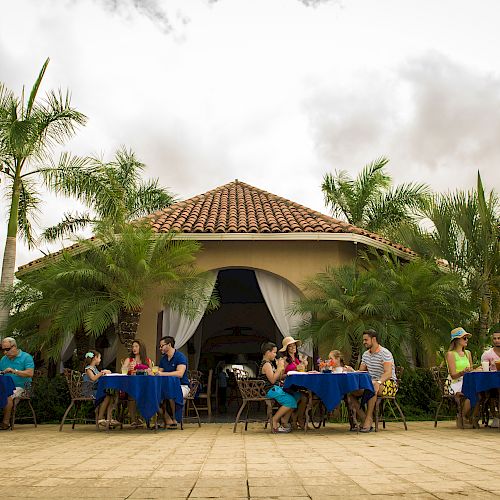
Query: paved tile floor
[[212, 462]]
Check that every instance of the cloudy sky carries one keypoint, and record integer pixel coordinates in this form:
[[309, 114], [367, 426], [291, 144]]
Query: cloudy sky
[[272, 92]]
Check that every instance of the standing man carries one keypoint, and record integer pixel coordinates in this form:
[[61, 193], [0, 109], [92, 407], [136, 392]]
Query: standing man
[[379, 363], [20, 366], [492, 355], [173, 364]]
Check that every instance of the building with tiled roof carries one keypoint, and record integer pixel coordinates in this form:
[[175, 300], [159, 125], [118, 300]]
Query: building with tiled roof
[[261, 247]]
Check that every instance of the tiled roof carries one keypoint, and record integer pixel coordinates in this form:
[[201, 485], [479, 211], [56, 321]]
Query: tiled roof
[[238, 208]]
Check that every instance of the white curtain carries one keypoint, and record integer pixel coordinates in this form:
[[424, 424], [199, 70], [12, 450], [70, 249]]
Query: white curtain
[[181, 327], [279, 296]]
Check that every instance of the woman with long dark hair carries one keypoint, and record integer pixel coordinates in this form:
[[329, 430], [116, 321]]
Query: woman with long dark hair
[[137, 356]]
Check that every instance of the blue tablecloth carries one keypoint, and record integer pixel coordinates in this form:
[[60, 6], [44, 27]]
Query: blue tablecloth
[[475, 382], [7, 387], [331, 387], [147, 391]]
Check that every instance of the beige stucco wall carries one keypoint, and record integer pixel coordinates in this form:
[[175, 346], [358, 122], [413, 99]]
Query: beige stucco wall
[[292, 260]]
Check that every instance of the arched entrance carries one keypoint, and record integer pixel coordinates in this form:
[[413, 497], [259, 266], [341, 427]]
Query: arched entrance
[[234, 332]]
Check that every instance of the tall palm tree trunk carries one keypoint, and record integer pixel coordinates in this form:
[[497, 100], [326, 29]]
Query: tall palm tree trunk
[[9, 256], [485, 316], [128, 322]]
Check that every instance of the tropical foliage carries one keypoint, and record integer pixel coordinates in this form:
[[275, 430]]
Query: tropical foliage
[[465, 232], [105, 284], [29, 131], [114, 192], [412, 305], [369, 201]]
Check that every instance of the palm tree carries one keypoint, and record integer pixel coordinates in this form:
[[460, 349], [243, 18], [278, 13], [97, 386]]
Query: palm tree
[[113, 191], [412, 305], [369, 201], [105, 285], [29, 129], [465, 232]]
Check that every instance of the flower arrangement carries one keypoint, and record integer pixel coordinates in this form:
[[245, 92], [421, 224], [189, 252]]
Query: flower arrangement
[[140, 366], [326, 364]]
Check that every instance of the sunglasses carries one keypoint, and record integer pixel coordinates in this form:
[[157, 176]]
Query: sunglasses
[[7, 349]]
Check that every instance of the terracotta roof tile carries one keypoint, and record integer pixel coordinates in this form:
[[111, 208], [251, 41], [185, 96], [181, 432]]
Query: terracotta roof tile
[[237, 207]]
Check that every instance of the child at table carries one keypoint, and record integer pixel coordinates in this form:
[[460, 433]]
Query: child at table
[[336, 356], [90, 377]]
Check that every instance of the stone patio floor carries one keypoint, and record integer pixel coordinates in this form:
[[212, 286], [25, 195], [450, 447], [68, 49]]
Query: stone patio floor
[[212, 462]]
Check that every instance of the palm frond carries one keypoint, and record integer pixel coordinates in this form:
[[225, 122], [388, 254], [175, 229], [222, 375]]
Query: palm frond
[[69, 225]]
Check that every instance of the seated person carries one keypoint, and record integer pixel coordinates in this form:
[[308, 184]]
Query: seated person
[[173, 364], [339, 360], [20, 366], [379, 363], [90, 377], [493, 355], [272, 373], [136, 357], [293, 362], [291, 354], [459, 361]]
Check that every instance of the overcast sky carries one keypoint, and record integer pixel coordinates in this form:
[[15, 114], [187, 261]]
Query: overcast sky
[[272, 92]]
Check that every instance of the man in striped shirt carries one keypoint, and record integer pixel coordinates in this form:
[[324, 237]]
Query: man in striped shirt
[[379, 363]]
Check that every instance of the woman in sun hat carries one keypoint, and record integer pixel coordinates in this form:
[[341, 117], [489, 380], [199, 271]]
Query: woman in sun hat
[[292, 361], [291, 353], [459, 361]]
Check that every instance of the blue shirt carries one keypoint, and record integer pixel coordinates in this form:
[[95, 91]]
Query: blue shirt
[[171, 365], [21, 362]]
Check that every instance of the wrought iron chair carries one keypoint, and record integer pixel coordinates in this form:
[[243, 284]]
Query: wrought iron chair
[[389, 398], [77, 390], [195, 375], [26, 395], [440, 375], [253, 391], [189, 403]]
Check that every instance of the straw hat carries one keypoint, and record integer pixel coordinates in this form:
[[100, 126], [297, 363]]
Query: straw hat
[[289, 340], [458, 333]]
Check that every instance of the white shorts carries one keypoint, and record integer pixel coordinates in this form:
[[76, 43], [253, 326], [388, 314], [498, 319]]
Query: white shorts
[[185, 391], [456, 385], [18, 392]]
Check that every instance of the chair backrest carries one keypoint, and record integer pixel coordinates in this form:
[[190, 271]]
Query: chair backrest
[[193, 388], [75, 382], [440, 375], [29, 387], [194, 375], [252, 389]]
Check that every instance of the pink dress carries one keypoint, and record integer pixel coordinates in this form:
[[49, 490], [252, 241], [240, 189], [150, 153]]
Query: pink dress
[[293, 365]]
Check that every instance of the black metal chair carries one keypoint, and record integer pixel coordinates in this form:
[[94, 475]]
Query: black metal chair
[[190, 404], [388, 399], [448, 397], [79, 395], [252, 391], [26, 395]]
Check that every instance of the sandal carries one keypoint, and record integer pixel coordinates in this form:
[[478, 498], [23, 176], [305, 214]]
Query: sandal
[[171, 426], [364, 430], [4, 427]]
